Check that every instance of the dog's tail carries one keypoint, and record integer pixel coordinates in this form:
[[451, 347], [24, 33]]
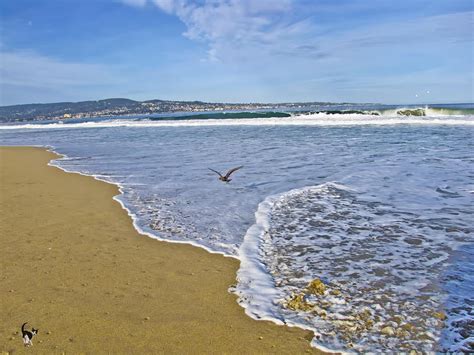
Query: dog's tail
[[23, 326]]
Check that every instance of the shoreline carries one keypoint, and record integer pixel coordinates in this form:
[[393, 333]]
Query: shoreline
[[122, 204], [80, 272], [255, 312]]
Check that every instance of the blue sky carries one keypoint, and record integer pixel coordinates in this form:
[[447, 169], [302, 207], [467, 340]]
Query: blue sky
[[404, 51]]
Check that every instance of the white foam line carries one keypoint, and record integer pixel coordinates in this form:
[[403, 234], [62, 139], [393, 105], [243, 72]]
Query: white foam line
[[301, 120], [252, 274], [55, 163]]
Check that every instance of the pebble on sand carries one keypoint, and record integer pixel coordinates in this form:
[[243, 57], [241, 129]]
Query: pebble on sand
[[388, 331]]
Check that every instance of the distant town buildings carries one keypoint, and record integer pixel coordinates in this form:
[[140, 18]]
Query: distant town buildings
[[124, 107]]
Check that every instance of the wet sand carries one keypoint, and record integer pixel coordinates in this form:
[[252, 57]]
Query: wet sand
[[73, 266]]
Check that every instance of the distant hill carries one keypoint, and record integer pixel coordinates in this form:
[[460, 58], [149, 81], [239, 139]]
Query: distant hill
[[120, 107], [58, 110]]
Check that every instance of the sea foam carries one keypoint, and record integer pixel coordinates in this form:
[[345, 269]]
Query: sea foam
[[380, 266]]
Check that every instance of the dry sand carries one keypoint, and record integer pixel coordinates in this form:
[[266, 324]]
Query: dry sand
[[73, 266]]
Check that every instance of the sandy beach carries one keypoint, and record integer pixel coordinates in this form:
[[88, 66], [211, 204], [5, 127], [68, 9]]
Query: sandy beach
[[73, 266]]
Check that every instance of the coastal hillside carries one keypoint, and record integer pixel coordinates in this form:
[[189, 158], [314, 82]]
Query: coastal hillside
[[120, 107]]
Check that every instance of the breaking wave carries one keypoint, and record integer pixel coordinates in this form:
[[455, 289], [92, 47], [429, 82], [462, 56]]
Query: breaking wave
[[306, 119], [221, 116], [400, 111]]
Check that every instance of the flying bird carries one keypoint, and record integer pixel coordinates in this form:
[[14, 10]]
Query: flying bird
[[226, 177]]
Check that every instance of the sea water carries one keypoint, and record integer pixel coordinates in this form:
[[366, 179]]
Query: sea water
[[378, 209]]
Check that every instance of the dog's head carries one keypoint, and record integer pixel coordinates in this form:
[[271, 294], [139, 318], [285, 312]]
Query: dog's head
[[34, 331]]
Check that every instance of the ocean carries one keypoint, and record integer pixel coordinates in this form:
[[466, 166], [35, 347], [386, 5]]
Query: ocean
[[355, 222]]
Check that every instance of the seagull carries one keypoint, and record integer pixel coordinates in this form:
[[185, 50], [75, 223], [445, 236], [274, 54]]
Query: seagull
[[225, 178]]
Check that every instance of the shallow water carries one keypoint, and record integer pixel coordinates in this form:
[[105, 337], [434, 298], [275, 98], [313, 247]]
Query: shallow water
[[382, 214], [380, 264]]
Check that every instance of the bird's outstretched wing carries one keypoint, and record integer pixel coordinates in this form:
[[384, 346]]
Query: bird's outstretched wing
[[218, 173], [232, 170]]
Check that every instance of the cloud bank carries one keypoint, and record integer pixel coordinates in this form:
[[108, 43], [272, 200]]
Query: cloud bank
[[232, 28]]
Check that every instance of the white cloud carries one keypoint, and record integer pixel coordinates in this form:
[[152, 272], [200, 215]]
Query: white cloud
[[238, 29], [166, 5], [228, 25], [235, 20]]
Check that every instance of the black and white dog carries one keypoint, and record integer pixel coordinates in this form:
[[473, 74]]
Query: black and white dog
[[27, 335]]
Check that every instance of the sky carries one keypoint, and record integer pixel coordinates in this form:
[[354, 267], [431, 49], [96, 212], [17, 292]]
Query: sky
[[384, 51]]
